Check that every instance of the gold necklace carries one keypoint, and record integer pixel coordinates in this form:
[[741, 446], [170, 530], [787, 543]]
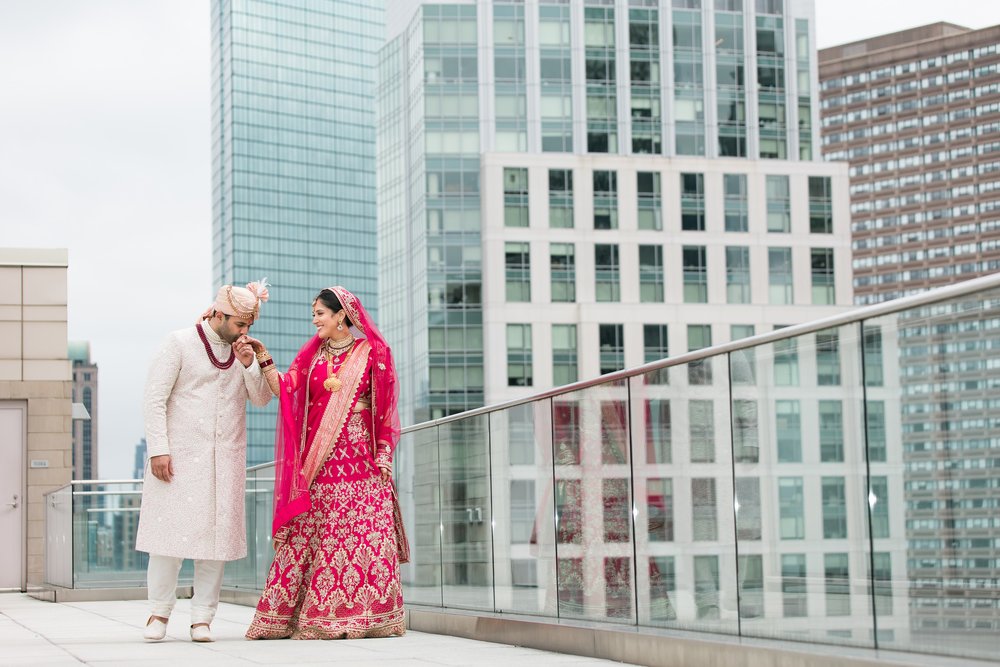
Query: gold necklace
[[332, 382]]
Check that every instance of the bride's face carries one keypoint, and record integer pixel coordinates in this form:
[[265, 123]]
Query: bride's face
[[324, 320]]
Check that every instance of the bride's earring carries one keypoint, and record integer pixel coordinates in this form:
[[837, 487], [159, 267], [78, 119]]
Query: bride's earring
[[340, 325]]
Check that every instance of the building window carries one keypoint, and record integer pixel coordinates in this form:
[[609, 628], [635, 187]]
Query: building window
[[742, 363], [746, 433], [751, 573], [519, 355], [882, 574], [612, 350], [779, 275], [822, 276], [562, 267], [703, 510], [693, 202], [569, 512], [831, 431], [699, 336], [875, 421], [820, 205], [518, 262], [701, 422], [566, 432], [706, 587], [509, 74], [658, 433], [793, 585], [695, 274], [563, 354], [522, 510], [606, 273], [616, 509], [618, 596], [602, 90], [737, 210], [872, 343], [555, 65], [779, 205], [791, 508], [515, 197], [827, 358], [662, 583], [786, 362], [659, 510], [655, 348], [748, 508], [834, 508], [838, 585], [561, 198], [737, 274], [788, 431], [524, 572], [689, 81], [880, 507], [804, 79], [651, 273], [644, 64], [650, 200], [605, 200]]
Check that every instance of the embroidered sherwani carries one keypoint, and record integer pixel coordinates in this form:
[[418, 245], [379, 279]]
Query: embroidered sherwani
[[196, 413]]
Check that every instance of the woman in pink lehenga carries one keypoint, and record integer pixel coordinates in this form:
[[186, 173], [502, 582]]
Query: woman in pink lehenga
[[336, 564]]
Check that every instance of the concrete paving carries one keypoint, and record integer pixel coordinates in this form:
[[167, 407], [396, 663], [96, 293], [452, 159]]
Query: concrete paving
[[110, 633]]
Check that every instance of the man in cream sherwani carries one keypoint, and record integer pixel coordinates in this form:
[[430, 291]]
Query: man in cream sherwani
[[195, 418]]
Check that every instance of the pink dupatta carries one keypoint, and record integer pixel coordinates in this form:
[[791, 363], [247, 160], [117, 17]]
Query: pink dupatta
[[295, 464]]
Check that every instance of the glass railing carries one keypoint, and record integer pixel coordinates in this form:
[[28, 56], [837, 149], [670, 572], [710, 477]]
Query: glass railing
[[836, 482], [90, 536]]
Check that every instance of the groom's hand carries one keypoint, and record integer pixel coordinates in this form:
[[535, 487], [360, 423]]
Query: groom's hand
[[162, 467]]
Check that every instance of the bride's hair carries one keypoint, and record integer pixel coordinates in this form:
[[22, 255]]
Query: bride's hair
[[329, 299]]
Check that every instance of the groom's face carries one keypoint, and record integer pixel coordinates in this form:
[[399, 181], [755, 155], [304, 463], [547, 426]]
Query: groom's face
[[231, 328]]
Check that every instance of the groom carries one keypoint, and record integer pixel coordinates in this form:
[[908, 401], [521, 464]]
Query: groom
[[195, 418]]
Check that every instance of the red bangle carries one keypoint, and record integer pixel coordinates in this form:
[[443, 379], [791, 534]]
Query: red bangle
[[267, 362]]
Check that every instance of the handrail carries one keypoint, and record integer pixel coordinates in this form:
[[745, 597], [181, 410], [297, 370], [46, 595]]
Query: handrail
[[927, 298]]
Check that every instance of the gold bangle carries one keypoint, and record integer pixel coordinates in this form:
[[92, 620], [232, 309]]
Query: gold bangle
[[263, 355]]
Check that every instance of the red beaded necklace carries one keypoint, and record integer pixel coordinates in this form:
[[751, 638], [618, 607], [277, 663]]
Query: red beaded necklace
[[223, 365]]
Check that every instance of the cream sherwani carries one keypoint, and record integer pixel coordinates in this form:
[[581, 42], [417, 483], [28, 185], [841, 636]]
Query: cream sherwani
[[196, 413]]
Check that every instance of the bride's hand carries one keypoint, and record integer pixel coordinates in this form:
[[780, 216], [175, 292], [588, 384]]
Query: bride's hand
[[255, 344]]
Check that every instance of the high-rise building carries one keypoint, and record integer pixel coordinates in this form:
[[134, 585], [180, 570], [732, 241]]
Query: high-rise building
[[293, 162], [139, 459], [84, 430], [916, 114], [569, 189]]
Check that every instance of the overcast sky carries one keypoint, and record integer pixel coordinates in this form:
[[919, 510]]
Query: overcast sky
[[105, 150]]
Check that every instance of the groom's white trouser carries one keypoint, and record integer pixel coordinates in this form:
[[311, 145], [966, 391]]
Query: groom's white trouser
[[161, 581]]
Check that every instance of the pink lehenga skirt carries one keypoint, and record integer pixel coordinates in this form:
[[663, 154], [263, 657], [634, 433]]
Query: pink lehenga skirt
[[336, 575]]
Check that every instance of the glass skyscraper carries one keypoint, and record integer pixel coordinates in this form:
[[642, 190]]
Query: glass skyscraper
[[293, 162]]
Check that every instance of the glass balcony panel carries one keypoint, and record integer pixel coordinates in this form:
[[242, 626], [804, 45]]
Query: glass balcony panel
[[595, 574], [686, 573], [524, 534], [801, 516], [59, 537], [105, 521], [418, 481], [466, 517], [932, 442]]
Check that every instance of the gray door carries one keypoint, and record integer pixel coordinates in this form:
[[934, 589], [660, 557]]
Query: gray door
[[12, 530]]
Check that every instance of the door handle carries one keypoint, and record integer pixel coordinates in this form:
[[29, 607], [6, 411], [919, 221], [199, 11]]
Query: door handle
[[15, 503]]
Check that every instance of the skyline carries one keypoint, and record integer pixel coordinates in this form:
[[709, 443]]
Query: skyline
[[96, 141]]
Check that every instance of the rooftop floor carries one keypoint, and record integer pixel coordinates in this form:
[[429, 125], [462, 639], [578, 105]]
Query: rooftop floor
[[110, 633]]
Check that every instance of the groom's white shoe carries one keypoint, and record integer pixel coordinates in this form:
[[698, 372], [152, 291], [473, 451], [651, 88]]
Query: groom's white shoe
[[155, 630], [201, 633]]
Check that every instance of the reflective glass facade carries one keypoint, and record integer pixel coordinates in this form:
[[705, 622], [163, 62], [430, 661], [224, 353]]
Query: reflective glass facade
[[293, 161]]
